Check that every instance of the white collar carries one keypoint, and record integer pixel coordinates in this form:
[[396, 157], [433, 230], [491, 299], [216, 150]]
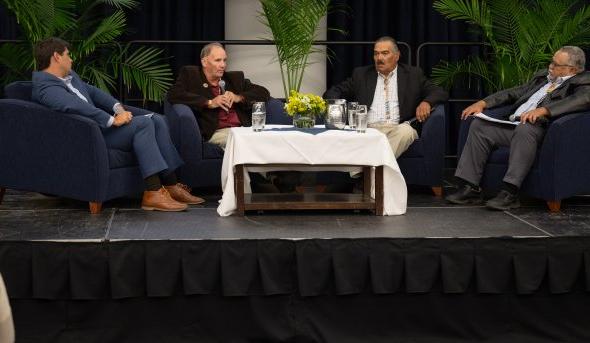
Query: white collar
[[391, 74], [559, 80]]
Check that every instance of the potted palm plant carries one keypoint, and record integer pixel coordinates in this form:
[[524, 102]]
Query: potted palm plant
[[293, 25], [520, 38], [100, 58]]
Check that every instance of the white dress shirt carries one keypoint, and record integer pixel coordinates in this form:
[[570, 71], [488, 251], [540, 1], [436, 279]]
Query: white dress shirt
[[385, 106], [68, 81], [535, 99]]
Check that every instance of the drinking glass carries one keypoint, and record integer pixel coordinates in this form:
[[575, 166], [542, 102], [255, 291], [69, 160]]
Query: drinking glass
[[352, 107], [258, 116], [361, 119]]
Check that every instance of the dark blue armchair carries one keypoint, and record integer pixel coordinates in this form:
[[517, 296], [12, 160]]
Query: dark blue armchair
[[60, 154], [561, 168], [422, 164]]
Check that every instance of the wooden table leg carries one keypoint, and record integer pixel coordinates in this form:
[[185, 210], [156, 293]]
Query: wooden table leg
[[367, 182], [239, 188], [379, 191]]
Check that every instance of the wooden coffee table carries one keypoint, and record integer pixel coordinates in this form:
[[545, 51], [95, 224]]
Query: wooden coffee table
[[309, 201]]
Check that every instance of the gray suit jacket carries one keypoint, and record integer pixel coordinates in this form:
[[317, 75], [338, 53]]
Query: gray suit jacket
[[572, 96], [413, 88]]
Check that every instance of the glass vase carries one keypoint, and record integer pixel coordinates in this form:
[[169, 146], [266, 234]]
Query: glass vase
[[303, 121]]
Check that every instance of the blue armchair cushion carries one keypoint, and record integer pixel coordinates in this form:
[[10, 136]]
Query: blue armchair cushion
[[212, 151], [416, 149], [19, 90]]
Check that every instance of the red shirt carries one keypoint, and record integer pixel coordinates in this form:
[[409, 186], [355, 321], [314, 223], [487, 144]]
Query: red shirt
[[226, 119]]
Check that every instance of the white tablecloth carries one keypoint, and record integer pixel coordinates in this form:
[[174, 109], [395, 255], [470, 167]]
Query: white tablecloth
[[282, 144]]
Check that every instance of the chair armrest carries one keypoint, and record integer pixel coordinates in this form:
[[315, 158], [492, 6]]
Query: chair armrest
[[184, 131], [563, 158], [434, 133], [52, 152]]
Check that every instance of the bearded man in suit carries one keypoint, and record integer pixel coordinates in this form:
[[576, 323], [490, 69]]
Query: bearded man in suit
[[551, 93], [399, 97]]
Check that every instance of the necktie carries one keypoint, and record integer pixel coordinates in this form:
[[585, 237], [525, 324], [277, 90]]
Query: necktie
[[386, 90], [552, 87]]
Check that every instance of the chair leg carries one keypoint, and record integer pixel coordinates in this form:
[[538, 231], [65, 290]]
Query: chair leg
[[95, 207], [554, 206], [2, 191], [437, 191]]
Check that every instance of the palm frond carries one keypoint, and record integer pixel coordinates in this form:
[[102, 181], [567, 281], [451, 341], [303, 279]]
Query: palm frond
[[121, 4], [145, 69], [574, 31], [96, 75], [524, 35], [107, 31], [98, 56], [293, 25], [507, 15], [472, 11], [550, 19], [447, 74], [40, 18], [16, 58]]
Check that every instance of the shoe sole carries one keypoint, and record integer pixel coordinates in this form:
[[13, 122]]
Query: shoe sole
[[193, 203], [146, 208], [512, 207], [466, 202]]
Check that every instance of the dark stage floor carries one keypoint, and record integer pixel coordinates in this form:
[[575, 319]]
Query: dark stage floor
[[30, 216]]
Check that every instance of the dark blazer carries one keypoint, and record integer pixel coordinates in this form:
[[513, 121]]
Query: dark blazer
[[413, 88], [52, 92], [572, 96], [191, 88]]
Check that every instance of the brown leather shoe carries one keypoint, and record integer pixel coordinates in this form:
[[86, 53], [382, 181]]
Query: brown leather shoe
[[180, 193], [161, 200]]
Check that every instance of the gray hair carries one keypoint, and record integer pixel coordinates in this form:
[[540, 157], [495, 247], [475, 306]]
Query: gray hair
[[390, 40], [577, 58], [207, 49]]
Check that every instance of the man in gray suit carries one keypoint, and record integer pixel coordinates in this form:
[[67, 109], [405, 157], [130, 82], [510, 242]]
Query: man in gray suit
[[396, 94], [563, 88]]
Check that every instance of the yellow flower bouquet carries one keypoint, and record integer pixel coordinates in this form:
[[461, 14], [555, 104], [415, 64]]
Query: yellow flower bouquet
[[304, 108]]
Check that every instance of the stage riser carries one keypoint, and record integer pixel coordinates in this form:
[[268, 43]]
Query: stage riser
[[316, 290], [432, 317]]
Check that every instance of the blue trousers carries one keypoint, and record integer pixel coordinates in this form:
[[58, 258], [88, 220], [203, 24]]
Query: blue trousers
[[149, 138]]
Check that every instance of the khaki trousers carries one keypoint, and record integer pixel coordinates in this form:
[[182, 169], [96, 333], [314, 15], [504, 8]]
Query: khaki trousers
[[220, 137], [400, 136]]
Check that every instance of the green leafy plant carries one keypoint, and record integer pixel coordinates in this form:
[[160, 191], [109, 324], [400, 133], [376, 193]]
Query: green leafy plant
[[293, 24], [98, 57], [520, 38]]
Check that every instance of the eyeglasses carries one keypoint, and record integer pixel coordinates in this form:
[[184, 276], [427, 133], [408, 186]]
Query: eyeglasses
[[553, 63]]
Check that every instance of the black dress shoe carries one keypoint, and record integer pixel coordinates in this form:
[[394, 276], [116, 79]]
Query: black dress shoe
[[503, 201], [466, 195]]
